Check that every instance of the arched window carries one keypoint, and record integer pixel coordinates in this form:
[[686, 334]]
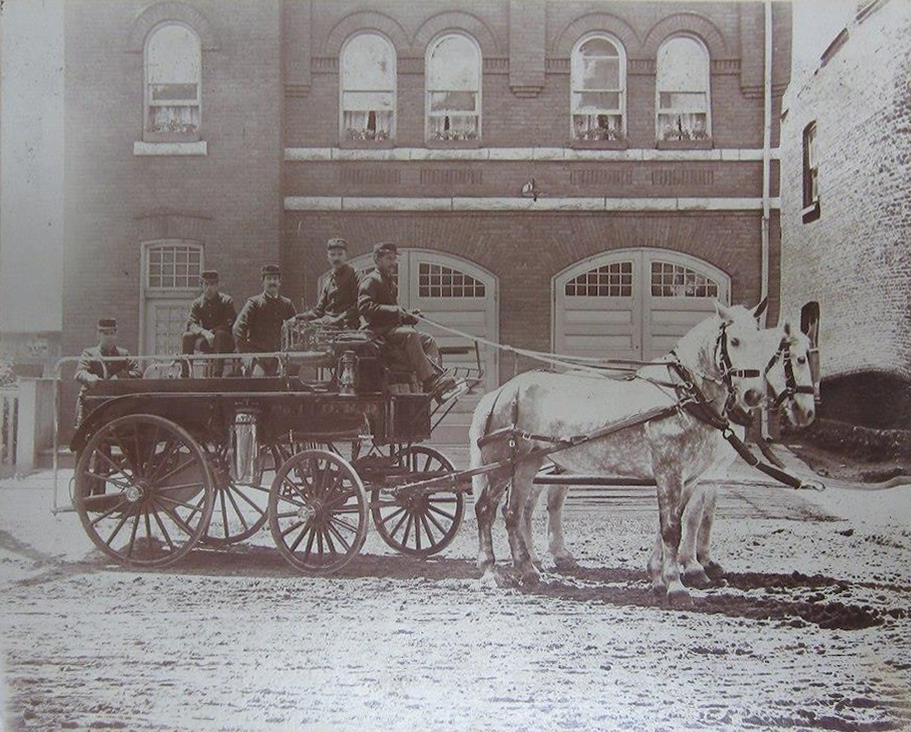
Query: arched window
[[173, 74], [453, 98], [598, 78], [367, 83], [682, 84]]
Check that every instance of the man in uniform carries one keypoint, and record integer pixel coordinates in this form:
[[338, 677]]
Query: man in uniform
[[337, 303], [258, 328], [91, 369], [377, 303], [209, 326]]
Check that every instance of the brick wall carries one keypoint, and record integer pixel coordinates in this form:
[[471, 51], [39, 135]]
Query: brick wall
[[855, 260], [526, 252]]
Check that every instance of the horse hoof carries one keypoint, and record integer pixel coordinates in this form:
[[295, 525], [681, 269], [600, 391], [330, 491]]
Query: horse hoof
[[659, 590], [488, 581], [714, 570], [530, 578], [696, 578], [565, 564], [679, 598]]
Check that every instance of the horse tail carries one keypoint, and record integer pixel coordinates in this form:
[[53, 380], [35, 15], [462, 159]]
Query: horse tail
[[480, 425]]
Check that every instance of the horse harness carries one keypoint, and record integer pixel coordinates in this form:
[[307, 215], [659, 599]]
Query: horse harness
[[691, 398]]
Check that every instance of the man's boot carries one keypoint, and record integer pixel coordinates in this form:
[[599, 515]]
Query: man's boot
[[439, 384]]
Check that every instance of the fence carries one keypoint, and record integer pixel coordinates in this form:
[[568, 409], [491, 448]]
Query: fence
[[9, 428]]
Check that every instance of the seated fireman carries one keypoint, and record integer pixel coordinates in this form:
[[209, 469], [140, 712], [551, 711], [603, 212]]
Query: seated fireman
[[258, 328], [377, 303], [91, 369], [209, 325], [337, 303]]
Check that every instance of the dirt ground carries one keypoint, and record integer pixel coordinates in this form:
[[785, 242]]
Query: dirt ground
[[810, 631]]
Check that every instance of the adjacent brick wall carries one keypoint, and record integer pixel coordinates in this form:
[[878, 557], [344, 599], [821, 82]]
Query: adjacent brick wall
[[855, 260]]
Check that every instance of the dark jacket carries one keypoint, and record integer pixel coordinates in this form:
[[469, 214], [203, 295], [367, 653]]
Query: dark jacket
[[216, 315], [90, 364], [337, 303], [377, 302], [258, 328]]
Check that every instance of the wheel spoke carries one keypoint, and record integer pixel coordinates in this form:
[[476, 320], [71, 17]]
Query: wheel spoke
[[175, 518], [148, 524], [293, 527], [240, 493], [106, 479], [341, 522], [319, 540], [307, 528], [338, 536], [431, 507], [329, 542], [184, 486], [153, 443], [386, 519], [108, 512], [240, 515], [178, 469], [123, 520], [309, 546], [114, 465], [125, 453], [133, 534], [424, 523], [417, 533], [164, 531], [436, 523], [401, 521], [193, 508], [162, 459], [224, 513], [297, 490], [101, 497]]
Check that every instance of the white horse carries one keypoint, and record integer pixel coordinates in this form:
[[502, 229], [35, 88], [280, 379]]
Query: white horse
[[789, 386], [723, 355]]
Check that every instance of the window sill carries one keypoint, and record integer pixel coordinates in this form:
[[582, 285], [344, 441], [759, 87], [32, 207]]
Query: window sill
[[810, 213], [170, 148], [366, 144], [684, 144], [456, 144], [599, 144]]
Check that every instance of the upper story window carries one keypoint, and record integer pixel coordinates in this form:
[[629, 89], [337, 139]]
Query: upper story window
[[173, 73], [810, 210], [367, 82], [453, 95], [598, 79], [683, 86]]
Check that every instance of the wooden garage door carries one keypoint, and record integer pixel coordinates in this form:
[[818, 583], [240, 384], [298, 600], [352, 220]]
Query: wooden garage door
[[459, 294], [633, 303]]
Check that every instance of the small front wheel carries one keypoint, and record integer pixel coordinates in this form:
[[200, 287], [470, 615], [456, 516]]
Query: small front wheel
[[318, 511], [418, 523]]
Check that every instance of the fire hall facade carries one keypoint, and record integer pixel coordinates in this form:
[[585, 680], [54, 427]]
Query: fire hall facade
[[580, 176]]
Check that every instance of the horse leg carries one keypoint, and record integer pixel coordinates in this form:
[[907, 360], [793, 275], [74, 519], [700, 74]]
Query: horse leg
[[487, 496], [670, 489], [703, 545], [693, 573], [556, 497], [522, 479], [655, 562], [531, 502]]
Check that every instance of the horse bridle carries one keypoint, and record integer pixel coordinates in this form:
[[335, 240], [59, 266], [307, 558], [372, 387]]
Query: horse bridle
[[792, 388], [729, 373]]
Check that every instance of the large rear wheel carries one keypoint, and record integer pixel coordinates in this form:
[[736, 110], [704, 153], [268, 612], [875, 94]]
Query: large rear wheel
[[318, 511], [143, 490], [418, 523]]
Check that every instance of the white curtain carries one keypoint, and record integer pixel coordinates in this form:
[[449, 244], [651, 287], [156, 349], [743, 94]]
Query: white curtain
[[174, 119]]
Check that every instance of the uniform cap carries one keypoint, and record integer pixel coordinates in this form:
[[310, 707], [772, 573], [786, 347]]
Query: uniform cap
[[107, 323], [337, 243], [383, 247], [209, 274], [270, 269]]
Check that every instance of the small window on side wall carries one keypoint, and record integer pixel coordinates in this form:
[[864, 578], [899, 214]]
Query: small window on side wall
[[598, 80], [453, 94], [811, 209], [682, 83], [368, 88], [173, 75]]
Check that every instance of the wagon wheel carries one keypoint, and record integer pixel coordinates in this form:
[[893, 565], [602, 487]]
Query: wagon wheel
[[318, 511], [239, 509], [144, 490], [416, 523]]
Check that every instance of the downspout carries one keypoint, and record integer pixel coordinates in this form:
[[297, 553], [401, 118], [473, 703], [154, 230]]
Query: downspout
[[766, 180]]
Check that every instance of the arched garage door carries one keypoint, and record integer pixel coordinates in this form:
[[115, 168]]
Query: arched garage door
[[633, 303], [457, 293]]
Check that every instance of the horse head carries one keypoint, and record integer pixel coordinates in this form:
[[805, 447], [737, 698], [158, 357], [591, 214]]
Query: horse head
[[727, 352], [789, 377]]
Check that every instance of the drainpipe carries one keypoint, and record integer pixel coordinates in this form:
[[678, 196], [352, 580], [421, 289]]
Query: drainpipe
[[766, 177]]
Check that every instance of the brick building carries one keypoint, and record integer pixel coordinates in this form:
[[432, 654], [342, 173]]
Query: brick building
[[845, 215], [583, 176]]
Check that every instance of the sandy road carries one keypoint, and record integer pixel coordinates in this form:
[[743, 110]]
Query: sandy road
[[237, 642]]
